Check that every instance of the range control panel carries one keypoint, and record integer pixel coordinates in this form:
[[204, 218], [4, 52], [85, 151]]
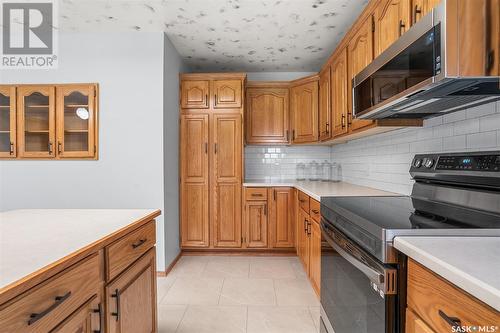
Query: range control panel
[[484, 161]]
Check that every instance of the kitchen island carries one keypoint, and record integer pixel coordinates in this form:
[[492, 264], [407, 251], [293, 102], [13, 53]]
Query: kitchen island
[[89, 269]]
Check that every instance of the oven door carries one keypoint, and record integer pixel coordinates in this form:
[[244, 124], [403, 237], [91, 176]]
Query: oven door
[[358, 293]]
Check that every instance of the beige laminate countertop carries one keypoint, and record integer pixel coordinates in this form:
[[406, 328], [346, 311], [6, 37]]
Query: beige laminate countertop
[[318, 189], [32, 239]]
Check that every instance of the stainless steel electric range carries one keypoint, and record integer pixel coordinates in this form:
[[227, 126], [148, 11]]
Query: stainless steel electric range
[[363, 278]]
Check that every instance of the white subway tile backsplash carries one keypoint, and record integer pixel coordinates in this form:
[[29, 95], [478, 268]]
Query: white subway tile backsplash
[[489, 123], [481, 110], [482, 140], [466, 127]]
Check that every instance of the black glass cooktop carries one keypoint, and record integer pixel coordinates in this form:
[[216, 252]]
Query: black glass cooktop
[[403, 212]]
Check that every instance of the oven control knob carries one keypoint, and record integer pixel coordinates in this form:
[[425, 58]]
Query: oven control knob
[[428, 163], [417, 163]]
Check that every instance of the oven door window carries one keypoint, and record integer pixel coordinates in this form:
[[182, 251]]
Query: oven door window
[[351, 304]]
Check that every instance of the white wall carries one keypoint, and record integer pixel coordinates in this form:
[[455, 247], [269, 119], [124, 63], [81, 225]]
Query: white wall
[[129, 172], [383, 161]]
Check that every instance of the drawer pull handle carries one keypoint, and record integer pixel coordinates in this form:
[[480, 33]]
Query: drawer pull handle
[[139, 243], [256, 194], [315, 211], [34, 317], [452, 321], [302, 200], [99, 311], [117, 313]]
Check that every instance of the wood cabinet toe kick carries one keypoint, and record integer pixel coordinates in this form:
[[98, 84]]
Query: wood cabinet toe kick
[[109, 286]]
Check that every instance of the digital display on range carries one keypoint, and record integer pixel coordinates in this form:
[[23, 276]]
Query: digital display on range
[[473, 163]]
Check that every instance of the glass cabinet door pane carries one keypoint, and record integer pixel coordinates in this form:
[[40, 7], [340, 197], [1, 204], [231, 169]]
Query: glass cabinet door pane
[[36, 123], [4, 123], [76, 122]]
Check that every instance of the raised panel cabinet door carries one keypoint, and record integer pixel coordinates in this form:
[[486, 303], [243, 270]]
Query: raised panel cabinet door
[[87, 319], [340, 94], [227, 215], [8, 122], [227, 148], [325, 123], [416, 325], [227, 93], [281, 218], [304, 102], [256, 224], [194, 181], [267, 115], [36, 121], [360, 54], [392, 19], [76, 115], [315, 255], [194, 94], [131, 298], [304, 239]]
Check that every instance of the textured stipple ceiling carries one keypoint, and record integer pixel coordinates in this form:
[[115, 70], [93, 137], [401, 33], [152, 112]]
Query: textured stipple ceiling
[[227, 35]]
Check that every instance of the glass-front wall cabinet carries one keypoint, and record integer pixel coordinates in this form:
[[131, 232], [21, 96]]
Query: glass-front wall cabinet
[[75, 121], [7, 121], [36, 121], [48, 121]]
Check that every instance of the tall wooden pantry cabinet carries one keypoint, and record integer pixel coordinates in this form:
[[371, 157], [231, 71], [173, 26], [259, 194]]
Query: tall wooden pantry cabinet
[[211, 158]]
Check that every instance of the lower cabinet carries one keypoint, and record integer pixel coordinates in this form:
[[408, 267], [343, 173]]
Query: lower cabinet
[[87, 319], [281, 214], [315, 255], [414, 324], [131, 298], [256, 224]]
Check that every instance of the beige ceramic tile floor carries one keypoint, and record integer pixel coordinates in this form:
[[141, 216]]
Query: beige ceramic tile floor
[[232, 294]]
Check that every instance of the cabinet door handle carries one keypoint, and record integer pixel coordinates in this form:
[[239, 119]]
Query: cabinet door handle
[[349, 119], [305, 225], [139, 243], [315, 211], [206, 147], [215, 148], [293, 135], [452, 321], [274, 194], [11, 151], [308, 228], [50, 148], [206, 99], [99, 311], [116, 295], [287, 136], [416, 11], [327, 128], [34, 317], [401, 27], [265, 209], [342, 122], [59, 147], [215, 100]]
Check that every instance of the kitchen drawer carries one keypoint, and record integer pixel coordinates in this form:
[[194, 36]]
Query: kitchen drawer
[[304, 202], [256, 193], [126, 250], [433, 299], [44, 306], [315, 210]]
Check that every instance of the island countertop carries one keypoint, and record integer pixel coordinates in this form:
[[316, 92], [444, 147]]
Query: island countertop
[[318, 189], [470, 263], [34, 239]]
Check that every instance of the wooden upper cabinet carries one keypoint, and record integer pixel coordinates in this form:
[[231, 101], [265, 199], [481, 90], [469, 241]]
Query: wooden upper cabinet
[[194, 94], [76, 121], [325, 116], [256, 220], [420, 8], [304, 112], [227, 93], [360, 54], [339, 94], [392, 19], [281, 218], [194, 184], [8, 122], [36, 121], [266, 115]]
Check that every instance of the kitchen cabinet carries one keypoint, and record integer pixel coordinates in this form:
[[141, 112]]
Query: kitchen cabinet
[[325, 115], [37, 124], [76, 121], [360, 54], [339, 95], [8, 128], [256, 221], [227, 93], [392, 19], [86, 319], [315, 255], [303, 239], [194, 181], [420, 8], [281, 204], [194, 94], [267, 115], [304, 110], [434, 304], [131, 298], [227, 179]]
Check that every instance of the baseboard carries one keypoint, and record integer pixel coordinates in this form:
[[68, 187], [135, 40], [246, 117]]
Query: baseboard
[[245, 252], [169, 268]]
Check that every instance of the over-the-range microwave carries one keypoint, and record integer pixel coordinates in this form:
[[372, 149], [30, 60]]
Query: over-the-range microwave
[[447, 61]]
